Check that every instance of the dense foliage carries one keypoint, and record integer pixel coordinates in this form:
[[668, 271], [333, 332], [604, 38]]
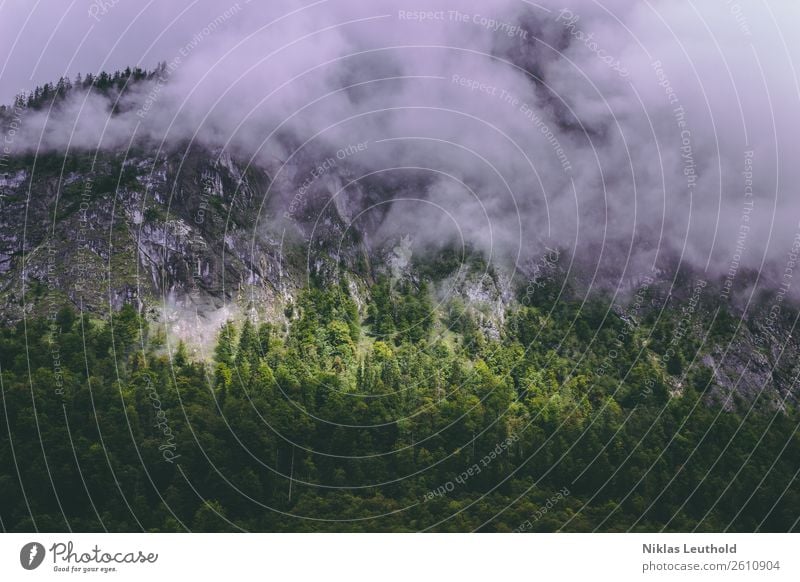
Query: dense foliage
[[410, 419]]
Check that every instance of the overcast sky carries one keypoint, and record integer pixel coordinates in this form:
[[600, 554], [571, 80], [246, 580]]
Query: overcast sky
[[41, 40], [659, 106]]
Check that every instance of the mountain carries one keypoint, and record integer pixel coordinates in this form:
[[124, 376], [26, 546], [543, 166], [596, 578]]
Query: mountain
[[193, 340]]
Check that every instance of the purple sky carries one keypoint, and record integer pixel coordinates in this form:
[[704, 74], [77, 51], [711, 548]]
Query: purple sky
[[41, 40], [640, 98]]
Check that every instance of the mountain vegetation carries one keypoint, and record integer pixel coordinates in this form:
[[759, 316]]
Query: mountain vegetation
[[406, 419]]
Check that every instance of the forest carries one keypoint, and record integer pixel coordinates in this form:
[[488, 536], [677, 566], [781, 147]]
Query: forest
[[406, 417]]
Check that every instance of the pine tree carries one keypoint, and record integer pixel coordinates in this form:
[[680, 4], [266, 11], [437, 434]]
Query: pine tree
[[225, 351], [248, 345]]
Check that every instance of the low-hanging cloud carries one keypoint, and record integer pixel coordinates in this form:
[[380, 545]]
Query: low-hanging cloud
[[630, 132]]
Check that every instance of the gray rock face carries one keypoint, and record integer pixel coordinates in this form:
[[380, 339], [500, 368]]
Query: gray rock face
[[744, 371], [168, 234]]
